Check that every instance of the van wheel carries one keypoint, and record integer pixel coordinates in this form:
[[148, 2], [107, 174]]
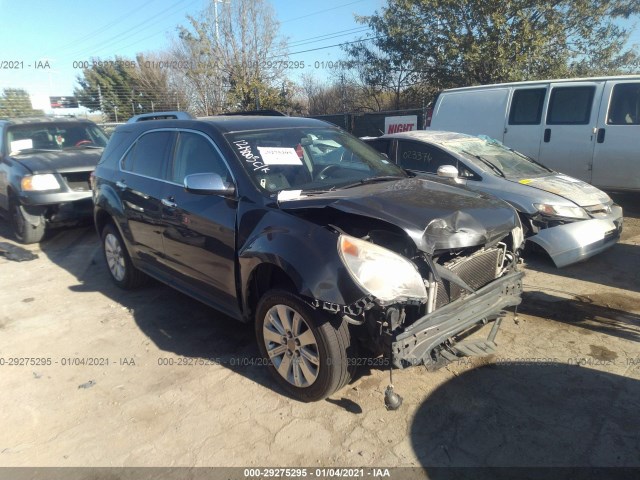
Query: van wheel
[[122, 271], [307, 351], [24, 228]]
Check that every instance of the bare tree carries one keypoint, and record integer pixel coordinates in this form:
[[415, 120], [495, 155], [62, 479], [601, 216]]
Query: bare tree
[[238, 60]]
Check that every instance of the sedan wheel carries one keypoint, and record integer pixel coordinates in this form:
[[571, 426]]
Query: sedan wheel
[[307, 351]]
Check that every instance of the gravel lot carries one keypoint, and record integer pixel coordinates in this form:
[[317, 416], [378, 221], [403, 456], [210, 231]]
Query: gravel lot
[[563, 389]]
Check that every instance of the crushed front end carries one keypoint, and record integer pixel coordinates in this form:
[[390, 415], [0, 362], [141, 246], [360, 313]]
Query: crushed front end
[[424, 303]]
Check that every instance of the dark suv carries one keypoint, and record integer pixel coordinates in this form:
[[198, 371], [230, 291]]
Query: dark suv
[[45, 164], [297, 226]]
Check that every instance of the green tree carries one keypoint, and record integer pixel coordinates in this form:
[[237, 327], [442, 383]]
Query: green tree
[[122, 87], [15, 102], [433, 44]]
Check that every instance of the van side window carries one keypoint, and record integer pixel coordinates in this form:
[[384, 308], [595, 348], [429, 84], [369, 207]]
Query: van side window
[[624, 108], [570, 105], [148, 156], [422, 157], [195, 154], [526, 106]]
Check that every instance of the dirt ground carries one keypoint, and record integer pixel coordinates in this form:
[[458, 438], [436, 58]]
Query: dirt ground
[[167, 381]]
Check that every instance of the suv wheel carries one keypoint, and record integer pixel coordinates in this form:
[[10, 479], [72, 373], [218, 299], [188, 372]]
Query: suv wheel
[[25, 230], [122, 271], [307, 350]]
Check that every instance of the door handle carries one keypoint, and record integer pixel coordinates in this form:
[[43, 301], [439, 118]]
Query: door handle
[[168, 202], [547, 135], [121, 185], [600, 137]]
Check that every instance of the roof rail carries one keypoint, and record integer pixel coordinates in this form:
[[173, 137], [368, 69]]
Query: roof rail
[[173, 115]]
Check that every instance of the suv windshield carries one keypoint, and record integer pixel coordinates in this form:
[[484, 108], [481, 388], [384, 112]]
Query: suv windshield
[[54, 136], [309, 159], [502, 160]]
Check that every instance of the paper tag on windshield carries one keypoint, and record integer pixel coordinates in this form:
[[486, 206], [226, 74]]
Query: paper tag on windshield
[[24, 144], [279, 156], [284, 195]]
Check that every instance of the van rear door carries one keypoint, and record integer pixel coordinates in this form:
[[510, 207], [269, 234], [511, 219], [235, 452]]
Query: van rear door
[[616, 158], [568, 136], [524, 123]]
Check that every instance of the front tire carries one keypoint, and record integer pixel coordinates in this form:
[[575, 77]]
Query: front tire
[[23, 227], [119, 264], [308, 351]]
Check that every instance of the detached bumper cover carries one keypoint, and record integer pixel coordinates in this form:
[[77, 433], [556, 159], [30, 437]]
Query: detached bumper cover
[[414, 345], [573, 242]]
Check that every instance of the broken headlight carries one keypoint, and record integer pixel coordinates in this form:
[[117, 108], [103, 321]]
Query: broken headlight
[[379, 271], [561, 211]]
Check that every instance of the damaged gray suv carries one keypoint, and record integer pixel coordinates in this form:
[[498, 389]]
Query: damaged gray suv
[[330, 250]]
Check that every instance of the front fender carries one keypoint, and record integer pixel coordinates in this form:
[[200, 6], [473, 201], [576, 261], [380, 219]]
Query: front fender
[[306, 252]]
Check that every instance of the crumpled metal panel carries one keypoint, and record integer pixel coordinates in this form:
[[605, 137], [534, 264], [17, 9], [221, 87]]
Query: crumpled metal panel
[[573, 242], [434, 215]]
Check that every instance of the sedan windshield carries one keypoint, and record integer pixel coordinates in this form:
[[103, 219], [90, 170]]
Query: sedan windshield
[[309, 159], [501, 160], [54, 136]]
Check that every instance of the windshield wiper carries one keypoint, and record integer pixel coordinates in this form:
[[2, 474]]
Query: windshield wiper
[[365, 181], [489, 164]]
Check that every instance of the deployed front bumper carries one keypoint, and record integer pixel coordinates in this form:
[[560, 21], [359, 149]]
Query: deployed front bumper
[[573, 242], [415, 344]]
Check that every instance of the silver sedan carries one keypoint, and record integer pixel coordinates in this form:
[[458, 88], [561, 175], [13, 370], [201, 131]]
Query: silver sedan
[[570, 219]]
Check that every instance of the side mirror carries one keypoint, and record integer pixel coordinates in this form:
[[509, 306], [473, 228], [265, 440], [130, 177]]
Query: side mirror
[[208, 184], [448, 171]]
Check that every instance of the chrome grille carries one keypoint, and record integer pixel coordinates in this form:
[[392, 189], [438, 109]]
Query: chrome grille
[[477, 270]]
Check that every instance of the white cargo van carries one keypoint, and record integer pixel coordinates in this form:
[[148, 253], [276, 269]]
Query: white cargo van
[[588, 128]]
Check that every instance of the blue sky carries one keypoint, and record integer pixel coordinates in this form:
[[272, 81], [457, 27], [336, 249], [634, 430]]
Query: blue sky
[[65, 31]]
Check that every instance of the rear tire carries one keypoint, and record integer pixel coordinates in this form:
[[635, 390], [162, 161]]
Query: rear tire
[[23, 229], [119, 264], [308, 352]]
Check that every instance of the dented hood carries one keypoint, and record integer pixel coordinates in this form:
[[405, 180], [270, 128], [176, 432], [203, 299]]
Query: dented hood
[[577, 191], [436, 216]]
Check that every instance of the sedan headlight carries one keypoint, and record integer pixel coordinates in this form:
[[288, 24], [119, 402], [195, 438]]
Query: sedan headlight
[[45, 181], [381, 272], [561, 211]]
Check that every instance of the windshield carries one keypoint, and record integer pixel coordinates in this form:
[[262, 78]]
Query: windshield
[[54, 136], [502, 160], [309, 159]]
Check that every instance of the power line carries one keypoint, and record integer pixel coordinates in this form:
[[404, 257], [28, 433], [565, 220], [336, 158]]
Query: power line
[[327, 36], [98, 47], [99, 30], [322, 11], [330, 46]]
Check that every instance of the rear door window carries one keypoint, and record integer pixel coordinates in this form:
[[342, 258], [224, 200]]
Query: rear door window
[[526, 106], [624, 108], [149, 155], [423, 157], [570, 105]]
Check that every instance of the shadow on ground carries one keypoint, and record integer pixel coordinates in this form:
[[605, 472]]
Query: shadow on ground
[[173, 321], [529, 415]]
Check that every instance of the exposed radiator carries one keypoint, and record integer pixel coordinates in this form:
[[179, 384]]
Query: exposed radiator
[[476, 270]]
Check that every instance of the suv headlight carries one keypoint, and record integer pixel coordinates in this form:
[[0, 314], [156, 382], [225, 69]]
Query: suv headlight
[[381, 272], [561, 211], [45, 181]]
